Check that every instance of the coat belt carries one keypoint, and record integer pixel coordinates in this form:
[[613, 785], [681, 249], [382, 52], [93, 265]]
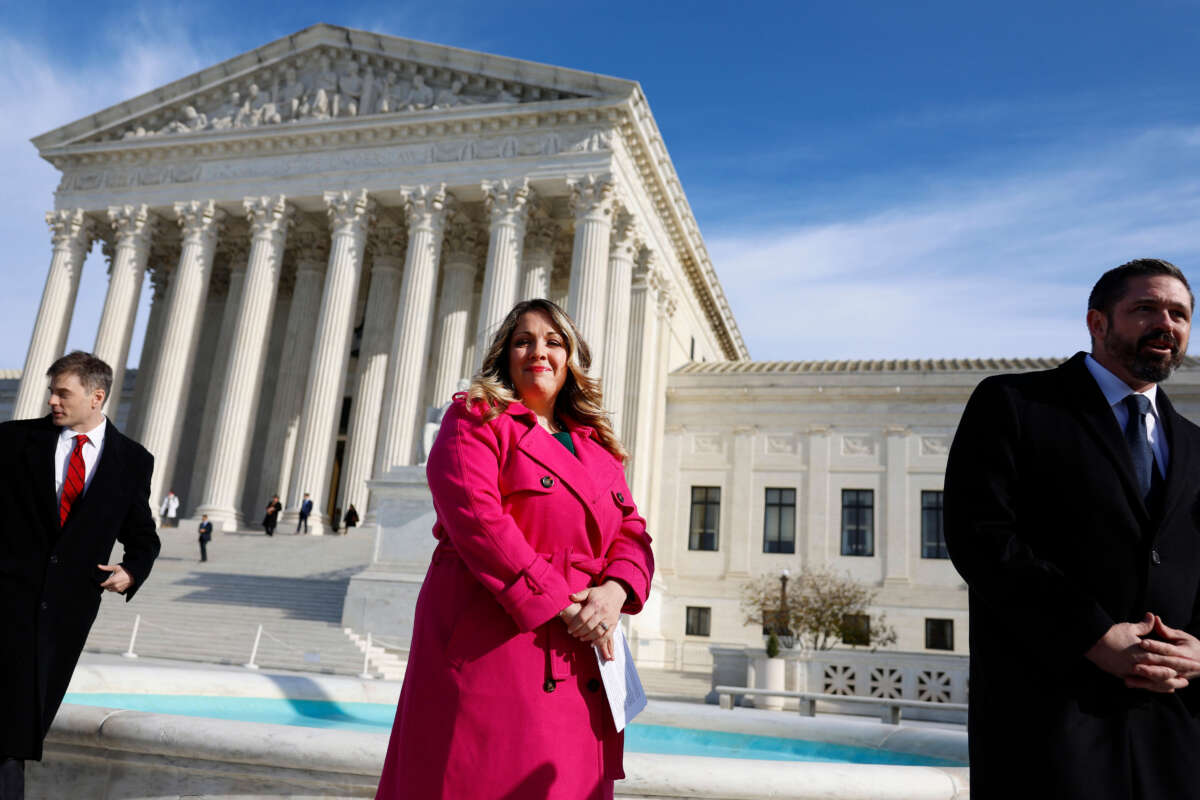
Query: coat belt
[[560, 645]]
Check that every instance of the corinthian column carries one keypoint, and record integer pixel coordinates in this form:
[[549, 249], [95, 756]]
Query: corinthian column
[[310, 243], [71, 234], [350, 213], [425, 209], [616, 340], [540, 234], [133, 226], [269, 219], [454, 307], [160, 284], [507, 205], [378, 320], [592, 203], [180, 332]]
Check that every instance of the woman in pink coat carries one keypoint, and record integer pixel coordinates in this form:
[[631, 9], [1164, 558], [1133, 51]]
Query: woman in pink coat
[[540, 549]]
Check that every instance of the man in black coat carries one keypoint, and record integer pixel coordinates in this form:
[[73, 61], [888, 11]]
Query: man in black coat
[[64, 500], [1073, 513]]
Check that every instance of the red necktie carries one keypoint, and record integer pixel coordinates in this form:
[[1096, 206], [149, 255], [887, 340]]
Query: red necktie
[[73, 486]]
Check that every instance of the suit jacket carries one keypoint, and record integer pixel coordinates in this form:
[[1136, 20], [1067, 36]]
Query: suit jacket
[[49, 580], [1045, 522], [495, 685]]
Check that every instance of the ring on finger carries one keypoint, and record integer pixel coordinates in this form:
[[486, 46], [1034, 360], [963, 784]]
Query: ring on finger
[[603, 627]]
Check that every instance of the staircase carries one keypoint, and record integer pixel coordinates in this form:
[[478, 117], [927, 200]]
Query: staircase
[[293, 586]]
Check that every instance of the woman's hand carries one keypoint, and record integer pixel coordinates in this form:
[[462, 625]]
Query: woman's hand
[[599, 610]]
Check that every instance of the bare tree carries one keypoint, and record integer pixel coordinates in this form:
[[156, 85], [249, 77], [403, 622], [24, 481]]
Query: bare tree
[[821, 608]]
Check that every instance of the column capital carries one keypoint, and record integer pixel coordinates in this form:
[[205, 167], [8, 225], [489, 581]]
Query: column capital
[[464, 241], [623, 239], [160, 280], [667, 303], [426, 207], [507, 201], [389, 239], [592, 197], [349, 212], [71, 229], [541, 232], [200, 221], [269, 217], [310, 244], [133, 224]]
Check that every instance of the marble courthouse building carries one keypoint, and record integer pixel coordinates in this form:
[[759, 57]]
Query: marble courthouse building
[[335, 223]]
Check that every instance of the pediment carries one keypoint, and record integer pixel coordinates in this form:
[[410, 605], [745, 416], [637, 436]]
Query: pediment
[[328, 74]]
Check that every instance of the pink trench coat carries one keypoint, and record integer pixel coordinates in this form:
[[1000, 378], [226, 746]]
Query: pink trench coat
[[499, 701]]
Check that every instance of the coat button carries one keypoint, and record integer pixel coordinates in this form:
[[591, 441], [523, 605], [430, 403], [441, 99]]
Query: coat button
[[620, 497], [548, 686], [593, 685], [45, 605], [547, 481], [53, 559], [1154, 559]]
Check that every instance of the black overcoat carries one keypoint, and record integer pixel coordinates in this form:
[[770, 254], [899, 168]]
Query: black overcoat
[[1044, 520], [49, 580]]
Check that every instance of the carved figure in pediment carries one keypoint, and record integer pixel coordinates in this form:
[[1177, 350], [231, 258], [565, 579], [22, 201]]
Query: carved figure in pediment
[[136, 133], [367, 102], [390, 95], [263, 110], [192, 121], [291, 102], [420, 96], [504, 96], [325, 89], [223, 118], [350, 89], [451, 97]]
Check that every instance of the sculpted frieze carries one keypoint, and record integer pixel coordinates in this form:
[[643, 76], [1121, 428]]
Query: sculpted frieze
[[329, 84]]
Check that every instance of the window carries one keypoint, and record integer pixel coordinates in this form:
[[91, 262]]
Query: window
[[706, 509], [779, 521], [939, 633], [933, 540], [699, 620], [858, 522], [856, 629]]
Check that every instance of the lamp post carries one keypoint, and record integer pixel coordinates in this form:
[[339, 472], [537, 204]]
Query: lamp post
[[784, 632]]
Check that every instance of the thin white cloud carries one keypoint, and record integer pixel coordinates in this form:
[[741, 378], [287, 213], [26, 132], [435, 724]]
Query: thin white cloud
[[976, 268]]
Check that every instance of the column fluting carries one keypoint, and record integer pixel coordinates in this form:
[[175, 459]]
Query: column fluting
[[269, 220], [507, 206], [592, 204], [310, 243], [641, 365], [387, 266], [538, 258], [454, 307], [350, 214], [160, 285], [134, 227], [71, 235], [200, 223], [425, 209], [616, 339]]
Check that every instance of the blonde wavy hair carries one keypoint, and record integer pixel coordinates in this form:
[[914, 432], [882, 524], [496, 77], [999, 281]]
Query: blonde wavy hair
[[579, 399]]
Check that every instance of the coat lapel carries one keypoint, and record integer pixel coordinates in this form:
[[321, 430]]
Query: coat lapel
[[1097, 416], [106, 478], [39, 455], [541, 447], [1181, 460]]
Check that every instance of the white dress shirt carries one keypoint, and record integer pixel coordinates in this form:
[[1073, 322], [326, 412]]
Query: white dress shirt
[[91, 455], [1115, 391]]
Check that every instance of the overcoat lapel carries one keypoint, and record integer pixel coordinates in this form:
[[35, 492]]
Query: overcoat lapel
[[1090, 404], [541, 447], [105, 481], [1181, 468], [39, 455]]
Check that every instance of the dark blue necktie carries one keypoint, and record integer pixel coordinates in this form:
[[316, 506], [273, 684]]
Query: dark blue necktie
[[1139, 443]]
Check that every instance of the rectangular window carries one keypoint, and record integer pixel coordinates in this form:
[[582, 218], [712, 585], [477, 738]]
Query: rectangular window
[[933, 540], [779, 521], [856, 629], [939, 634], [858, 522], [706, 510], [699, 620]]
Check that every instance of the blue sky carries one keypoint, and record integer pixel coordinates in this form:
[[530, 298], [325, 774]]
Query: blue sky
[[873, 180]]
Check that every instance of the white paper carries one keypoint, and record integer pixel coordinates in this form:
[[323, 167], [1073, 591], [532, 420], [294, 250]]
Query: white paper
[[622, 686]]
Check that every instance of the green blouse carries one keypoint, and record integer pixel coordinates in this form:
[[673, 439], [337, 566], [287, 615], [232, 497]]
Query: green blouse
[[564, 438]]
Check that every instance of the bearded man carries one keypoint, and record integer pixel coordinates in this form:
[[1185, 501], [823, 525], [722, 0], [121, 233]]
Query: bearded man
[[1073, 513]]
